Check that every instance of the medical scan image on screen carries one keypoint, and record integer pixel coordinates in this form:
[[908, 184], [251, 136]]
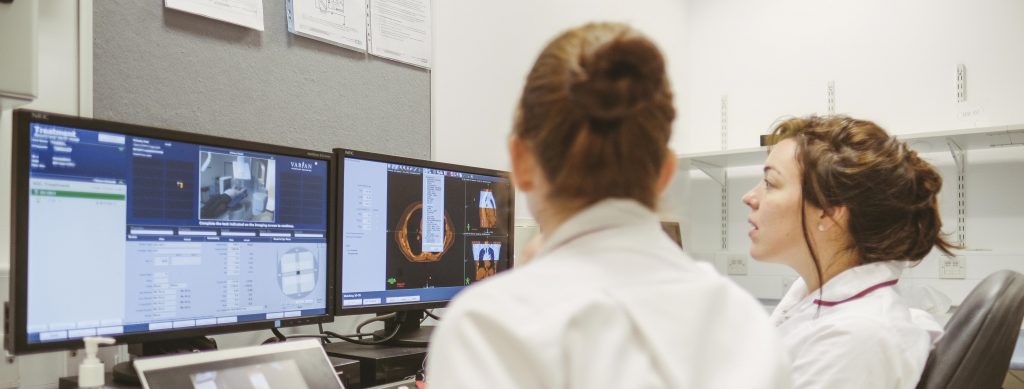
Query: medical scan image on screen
[[413, 234], [486, 257], [169, 235]]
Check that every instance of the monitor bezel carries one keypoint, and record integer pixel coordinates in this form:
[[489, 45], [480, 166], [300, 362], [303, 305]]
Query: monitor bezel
[[16, 314], [340, 155]]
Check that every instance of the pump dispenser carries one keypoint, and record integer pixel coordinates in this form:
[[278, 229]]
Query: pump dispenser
[[90, 372]]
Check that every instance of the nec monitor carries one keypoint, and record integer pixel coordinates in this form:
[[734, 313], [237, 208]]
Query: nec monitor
[[414, 233], [146, 234]]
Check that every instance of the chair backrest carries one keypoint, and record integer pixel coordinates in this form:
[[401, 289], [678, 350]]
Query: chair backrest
[[975, 351]]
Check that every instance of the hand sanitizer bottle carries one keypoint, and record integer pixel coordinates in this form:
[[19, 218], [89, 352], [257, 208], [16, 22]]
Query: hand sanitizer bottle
[[90, 372]]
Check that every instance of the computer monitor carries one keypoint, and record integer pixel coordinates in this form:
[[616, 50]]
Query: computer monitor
[[414, 233], [137, 233]]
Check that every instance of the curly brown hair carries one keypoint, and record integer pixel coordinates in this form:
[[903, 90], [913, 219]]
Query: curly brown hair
[[890, 192]]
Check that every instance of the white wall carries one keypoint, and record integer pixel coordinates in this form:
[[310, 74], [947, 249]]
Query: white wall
[[59, 91], [893, 63], [484, 49]]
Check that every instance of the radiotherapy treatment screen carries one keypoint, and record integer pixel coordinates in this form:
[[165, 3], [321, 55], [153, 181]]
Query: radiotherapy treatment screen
[[130, 234], [413, 234]]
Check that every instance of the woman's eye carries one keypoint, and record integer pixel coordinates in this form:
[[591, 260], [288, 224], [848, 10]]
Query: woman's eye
[[767, 184]]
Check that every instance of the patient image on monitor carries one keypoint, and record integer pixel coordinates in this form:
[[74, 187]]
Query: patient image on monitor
[[409, 232], [278, 374], [488, 209], [236, 188], [297, 272], [409, 266], [486, 258], [482, 210]]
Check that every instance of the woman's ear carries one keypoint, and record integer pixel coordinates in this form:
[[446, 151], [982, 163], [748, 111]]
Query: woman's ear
[[524, 165], [668, 170], [837, 216]]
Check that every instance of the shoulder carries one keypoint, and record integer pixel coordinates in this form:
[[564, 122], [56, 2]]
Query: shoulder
[[859, 333], [861, 330], [858, 350], [510, 299]]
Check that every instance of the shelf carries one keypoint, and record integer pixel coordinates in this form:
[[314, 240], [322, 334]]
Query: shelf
[[729, 158], [966, 139]]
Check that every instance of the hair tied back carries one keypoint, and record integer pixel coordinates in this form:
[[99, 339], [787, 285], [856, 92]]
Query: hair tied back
[[616, 79]]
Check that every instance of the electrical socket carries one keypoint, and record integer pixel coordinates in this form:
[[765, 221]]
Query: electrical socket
[[735, 264], [953, 267]]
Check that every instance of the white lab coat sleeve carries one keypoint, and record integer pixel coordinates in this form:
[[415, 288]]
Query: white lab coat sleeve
[[858, 353], [472, 348]]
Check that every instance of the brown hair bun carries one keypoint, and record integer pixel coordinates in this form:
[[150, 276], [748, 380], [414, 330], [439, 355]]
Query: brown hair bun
[[597, 113], [617, 77]]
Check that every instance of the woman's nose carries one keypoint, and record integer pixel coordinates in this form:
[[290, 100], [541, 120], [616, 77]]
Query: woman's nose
[[750, 199]]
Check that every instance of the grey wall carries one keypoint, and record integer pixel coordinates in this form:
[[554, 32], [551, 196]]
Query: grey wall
[[165, 68]]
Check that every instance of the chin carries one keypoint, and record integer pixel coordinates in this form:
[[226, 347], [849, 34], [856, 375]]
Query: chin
[[761, 256]]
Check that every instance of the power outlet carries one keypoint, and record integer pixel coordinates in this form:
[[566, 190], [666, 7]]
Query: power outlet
[[735, 264], [953, 267]]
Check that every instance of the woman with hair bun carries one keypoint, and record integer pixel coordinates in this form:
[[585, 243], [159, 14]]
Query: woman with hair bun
[[848, 207], [609, 300]]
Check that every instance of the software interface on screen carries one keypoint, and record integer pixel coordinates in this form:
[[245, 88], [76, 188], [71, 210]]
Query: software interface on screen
[[130, 234], [412, 234]]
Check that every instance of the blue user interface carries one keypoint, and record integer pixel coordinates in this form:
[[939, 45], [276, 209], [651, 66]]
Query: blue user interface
[[129, 234], [413, 234]]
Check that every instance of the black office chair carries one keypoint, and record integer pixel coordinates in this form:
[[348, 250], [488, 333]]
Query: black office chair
[[979, 340]]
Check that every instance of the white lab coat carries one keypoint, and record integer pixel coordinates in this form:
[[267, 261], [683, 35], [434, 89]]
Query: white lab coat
[[863, 336], [609, 302]]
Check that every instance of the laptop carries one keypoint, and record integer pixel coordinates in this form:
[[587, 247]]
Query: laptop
[[298, 364]]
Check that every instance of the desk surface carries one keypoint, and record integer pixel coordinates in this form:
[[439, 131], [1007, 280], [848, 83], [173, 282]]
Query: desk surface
[[72, 383]]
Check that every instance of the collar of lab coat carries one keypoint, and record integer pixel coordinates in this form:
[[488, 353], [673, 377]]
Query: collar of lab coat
[[603, 215], [848, 284]]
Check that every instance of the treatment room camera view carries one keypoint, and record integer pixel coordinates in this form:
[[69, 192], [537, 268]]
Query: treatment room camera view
[[236, 188]]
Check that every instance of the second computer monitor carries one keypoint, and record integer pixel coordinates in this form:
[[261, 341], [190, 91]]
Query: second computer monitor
[[414, 233], [146, 234]]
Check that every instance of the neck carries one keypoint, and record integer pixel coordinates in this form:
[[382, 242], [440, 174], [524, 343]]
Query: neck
[[553, 214], [832, 262]]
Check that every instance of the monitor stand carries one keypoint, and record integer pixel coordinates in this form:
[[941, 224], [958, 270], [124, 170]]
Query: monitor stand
[[411, 334], [124, 372]]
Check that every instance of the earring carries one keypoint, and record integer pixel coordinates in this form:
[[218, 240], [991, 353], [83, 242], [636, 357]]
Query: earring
[[821, 227]]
